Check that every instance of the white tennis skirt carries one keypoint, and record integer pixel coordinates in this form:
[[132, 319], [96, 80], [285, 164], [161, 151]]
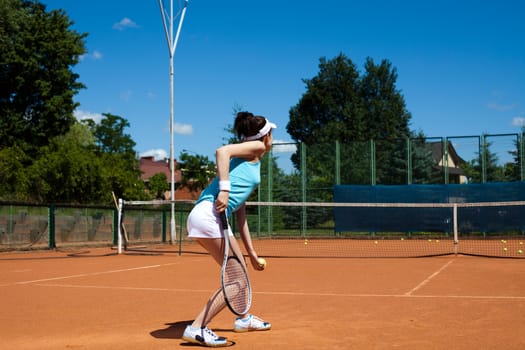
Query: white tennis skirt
[[204, 221]]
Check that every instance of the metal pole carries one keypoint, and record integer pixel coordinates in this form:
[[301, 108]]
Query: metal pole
[[119, 226], [172, 45], [455, 225]]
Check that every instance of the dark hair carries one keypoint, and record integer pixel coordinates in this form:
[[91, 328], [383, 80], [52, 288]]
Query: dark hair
[[246, 124]]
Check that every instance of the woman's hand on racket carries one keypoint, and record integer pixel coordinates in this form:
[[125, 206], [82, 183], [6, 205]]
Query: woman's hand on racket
[[221, 203]]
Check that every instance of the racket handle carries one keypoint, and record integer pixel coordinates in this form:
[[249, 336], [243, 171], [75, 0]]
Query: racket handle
[[224, 220]]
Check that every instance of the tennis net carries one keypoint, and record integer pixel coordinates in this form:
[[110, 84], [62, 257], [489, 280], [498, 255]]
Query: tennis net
[[339, 230], [388, 229]]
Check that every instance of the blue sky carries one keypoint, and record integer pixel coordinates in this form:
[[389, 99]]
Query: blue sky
[[460, 64]]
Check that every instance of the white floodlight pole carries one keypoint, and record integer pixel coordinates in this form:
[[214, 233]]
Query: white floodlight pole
[[172, 45]]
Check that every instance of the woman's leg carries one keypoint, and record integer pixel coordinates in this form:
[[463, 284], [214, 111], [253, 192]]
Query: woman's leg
[[216, 303]]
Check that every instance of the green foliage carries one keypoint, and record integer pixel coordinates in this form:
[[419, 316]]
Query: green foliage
[[423, 171], [513, 171], [37, 85], [110, 137], [67, 171], [340, 105], [13, 175], [158, 185], [197, 171], [485, 167]]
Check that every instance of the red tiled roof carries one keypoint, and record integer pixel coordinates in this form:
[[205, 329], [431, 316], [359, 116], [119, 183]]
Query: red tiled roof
[[149, 167]]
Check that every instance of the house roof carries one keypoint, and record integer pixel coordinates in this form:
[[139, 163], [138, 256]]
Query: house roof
[[149, 167], [437, 152]]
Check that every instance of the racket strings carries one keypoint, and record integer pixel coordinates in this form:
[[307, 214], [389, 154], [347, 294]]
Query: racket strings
[[236, 285]]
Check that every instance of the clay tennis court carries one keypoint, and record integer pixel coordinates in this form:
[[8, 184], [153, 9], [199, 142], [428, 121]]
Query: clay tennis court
[[94, 299]]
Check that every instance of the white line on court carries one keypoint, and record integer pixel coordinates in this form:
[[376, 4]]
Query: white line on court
[[150, 289], [426, 280], [89, 274], [294, 294]]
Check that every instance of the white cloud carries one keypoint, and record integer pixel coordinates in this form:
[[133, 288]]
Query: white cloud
[[500, 107], [151, 95], [81, 115], [183, 129], [95, 56], [126, 95], [124, 24], [157, 154], [518, 121]]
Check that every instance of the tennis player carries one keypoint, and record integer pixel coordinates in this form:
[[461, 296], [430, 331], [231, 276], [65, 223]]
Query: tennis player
[[238, 173]]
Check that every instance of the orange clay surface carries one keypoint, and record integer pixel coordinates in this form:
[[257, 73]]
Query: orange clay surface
[[95, 299]]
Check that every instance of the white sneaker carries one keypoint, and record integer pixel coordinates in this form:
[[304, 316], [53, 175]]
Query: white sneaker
[[250, 323], [203, 336]]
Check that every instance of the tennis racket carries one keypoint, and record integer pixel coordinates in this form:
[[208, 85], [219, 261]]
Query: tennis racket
[[234, 277]]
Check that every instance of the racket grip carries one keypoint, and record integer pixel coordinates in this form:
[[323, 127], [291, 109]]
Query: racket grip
[[224, 220]]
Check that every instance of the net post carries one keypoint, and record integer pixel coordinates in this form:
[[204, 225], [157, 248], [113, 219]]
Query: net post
[[119, 226], [455, 219]]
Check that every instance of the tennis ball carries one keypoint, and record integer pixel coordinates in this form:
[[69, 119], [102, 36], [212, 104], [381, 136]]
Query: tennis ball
[[305, 242], [375, 242], [262, 262], [402, 239], [520, 251], [521, 243], [505, 249]]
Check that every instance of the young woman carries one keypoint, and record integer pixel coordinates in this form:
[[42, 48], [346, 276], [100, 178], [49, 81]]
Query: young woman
[[238, 173]]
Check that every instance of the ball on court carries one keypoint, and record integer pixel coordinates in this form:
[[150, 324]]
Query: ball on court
[[305, 242], [375, 242], [262, 262], [505, 249], [520, 251]]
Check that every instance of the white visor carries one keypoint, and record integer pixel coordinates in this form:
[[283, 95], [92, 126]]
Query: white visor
[[268, 126]]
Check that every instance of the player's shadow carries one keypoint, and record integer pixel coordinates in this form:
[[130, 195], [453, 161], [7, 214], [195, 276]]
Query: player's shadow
[[173, 331], [176, 330]]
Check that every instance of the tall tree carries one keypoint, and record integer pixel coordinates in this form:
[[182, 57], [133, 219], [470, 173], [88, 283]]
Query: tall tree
[[514, 170], [110, 135], [37, 52], [330, 109], [485, 163], [69, 171], [340, 105], [197, 171], [116, 148]]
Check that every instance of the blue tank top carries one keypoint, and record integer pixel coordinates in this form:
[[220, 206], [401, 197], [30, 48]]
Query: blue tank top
[[244, 177]]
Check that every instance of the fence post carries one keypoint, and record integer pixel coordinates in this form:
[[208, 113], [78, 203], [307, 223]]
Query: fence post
[[372, 162], [521, 140], [163, 230], [303, 187], [337, 163], [269, 184], [445, 159], [409, 160], [483, 156], [51, 229], [115, 226]]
